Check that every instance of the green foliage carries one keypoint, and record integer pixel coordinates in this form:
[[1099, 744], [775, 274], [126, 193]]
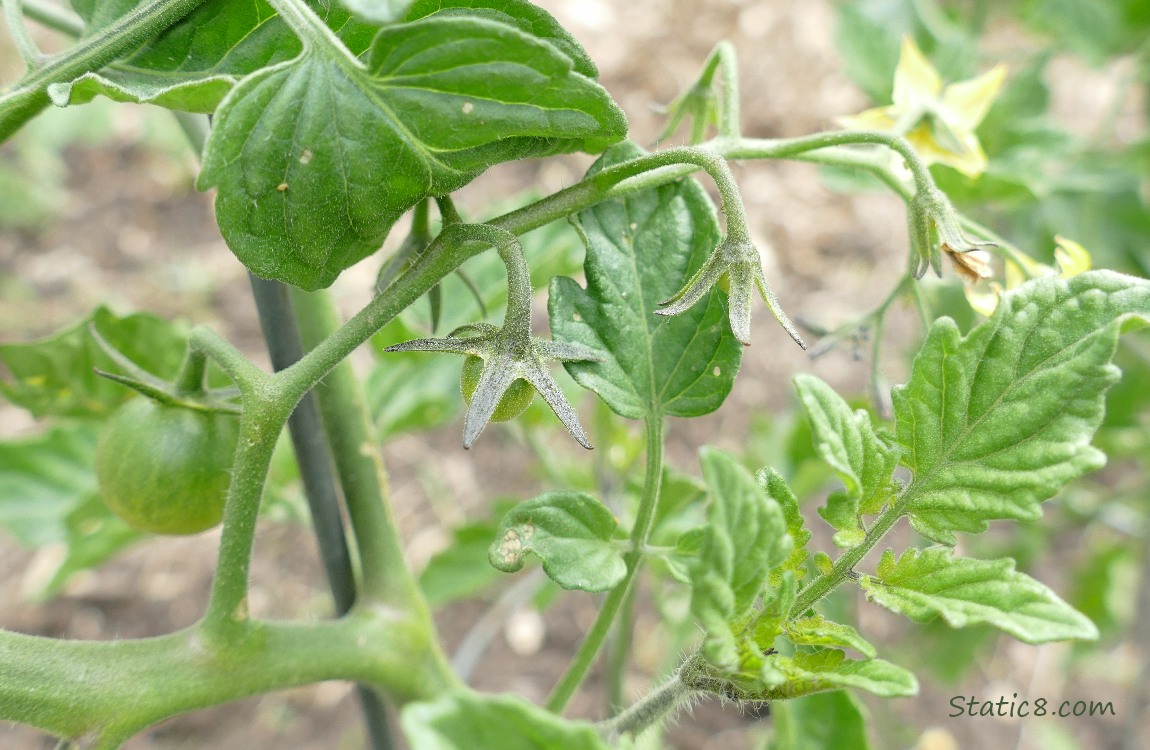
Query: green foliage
[[461, 570], [1097, 30], [806, 673], [459, 721], [56, 376], [332, 120], [929, 583], [48, 497], [818, 631], [847, 441], [638, 251], [824, 721], [571, 533], [315, 158], [994, 423], [776, 488], [527, 17], [744, 538], [868, 32], [196, 62]]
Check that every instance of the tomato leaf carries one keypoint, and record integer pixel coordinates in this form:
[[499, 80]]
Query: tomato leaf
[[824, 721], [923, 584], [194, 64], [847, 441], [776, 488], [315, 158], [527, 17], [744, 538], [379, 11], [994, 423], [55, 376], [48, 496], [819, 631], [805, 673], [467, 720], [461, 570], [572, 534], [639, 250]]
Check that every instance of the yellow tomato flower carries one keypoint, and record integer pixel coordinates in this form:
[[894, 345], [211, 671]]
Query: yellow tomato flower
[[939, 122]]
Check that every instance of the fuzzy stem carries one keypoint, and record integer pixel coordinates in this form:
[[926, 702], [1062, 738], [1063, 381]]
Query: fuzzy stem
[[617, 651], [260, 425], [30, 95], [54, 17], [14, 15], [444, 256], [589, 649], [790, 148], [649, 710], [190, 378], [824, 584], [723, 57], [312, 32]]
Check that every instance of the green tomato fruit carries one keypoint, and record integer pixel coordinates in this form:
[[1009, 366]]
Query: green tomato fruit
[[515, 399], [166, 469]]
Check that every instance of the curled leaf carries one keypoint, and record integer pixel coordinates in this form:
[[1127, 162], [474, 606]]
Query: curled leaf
[[571, 532]]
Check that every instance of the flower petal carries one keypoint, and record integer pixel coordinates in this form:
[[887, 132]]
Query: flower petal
[[879, 118], [916, 82], [1071, 257], [983, 298], [965, 104]]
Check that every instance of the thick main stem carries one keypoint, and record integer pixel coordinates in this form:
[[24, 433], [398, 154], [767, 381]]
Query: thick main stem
[[228, 614], [591, 645], [384, 572], [102, 692]]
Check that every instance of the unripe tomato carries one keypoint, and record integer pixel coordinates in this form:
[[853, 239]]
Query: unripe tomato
[[165, 469], [515, 399]]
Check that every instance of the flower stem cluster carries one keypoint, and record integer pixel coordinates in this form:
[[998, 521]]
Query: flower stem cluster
[[738, 260], [929, 210], [509, 352]]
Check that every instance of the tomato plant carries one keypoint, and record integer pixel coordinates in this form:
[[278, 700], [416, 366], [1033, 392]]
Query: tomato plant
[[339, 134]]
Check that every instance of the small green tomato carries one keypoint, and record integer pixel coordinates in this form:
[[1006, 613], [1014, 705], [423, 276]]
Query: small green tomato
[[165, 469], [516, 398]]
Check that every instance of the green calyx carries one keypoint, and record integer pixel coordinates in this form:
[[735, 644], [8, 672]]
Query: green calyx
[[512, 359]]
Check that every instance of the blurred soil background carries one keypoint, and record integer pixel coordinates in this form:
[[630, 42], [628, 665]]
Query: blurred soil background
[[123, 225]]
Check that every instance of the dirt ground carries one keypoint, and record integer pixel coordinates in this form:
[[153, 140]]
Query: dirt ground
[[133, 232]]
